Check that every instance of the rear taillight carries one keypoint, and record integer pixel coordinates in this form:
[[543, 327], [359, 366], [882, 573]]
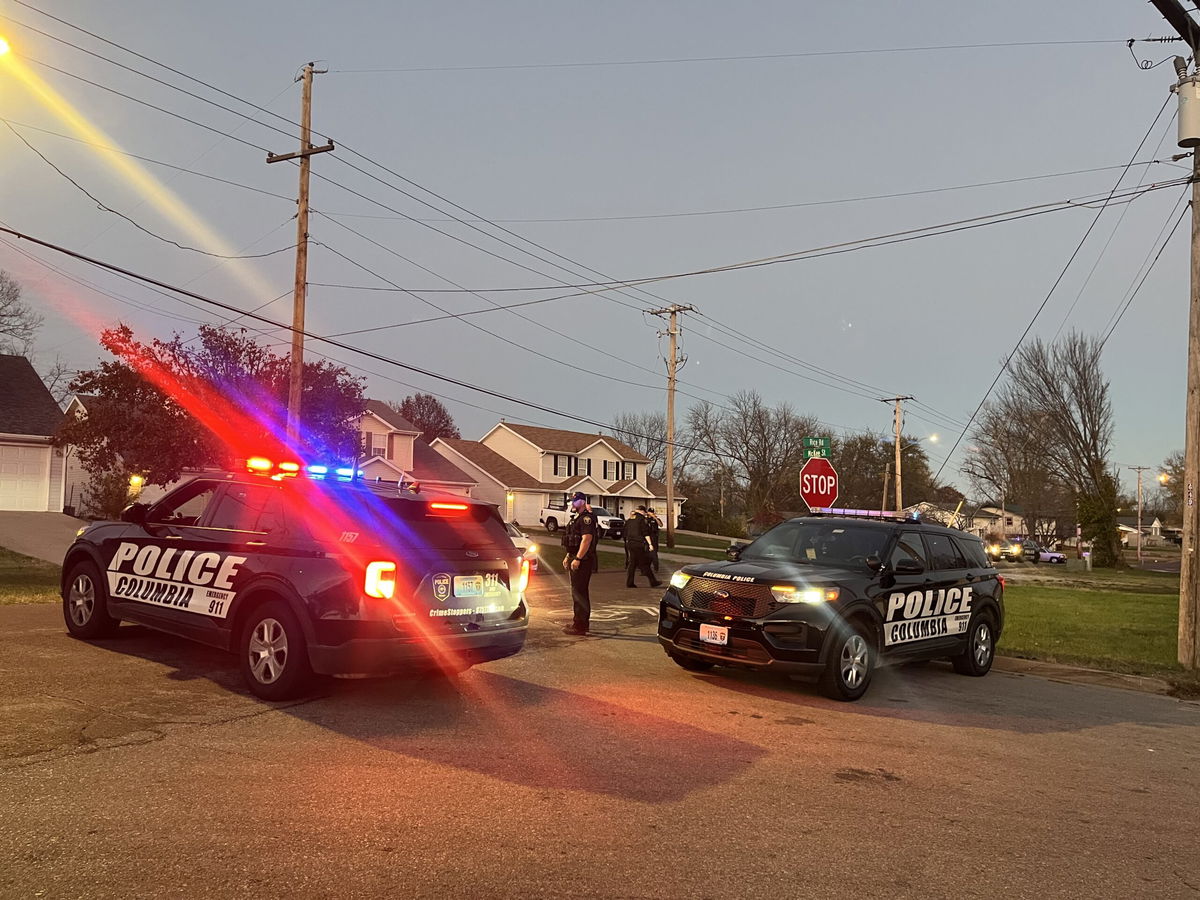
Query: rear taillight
[[523, 578], [381, 579], [1000, 578], [447, 509]]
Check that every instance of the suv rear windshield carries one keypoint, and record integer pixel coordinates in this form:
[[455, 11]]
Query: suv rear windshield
[[412, 521], [821, 543]]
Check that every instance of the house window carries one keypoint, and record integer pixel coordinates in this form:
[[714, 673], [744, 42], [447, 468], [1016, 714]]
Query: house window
[[559, 469], [605, 469], [378, 445], [589, 466], [1008, 521], [634, 476]]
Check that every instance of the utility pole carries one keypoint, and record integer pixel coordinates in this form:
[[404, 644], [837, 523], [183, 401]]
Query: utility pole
[[899, 425], [296, 376], [1139, 470], [1187, 87], [673, 365], [887, 474]]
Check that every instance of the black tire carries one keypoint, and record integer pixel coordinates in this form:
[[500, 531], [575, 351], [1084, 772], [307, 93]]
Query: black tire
[[976, 658], [691, 663], [850, 664], [552, 525], [273, 654], [85, 603]]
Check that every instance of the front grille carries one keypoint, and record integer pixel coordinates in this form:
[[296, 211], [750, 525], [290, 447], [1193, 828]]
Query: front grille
[[747, 601]]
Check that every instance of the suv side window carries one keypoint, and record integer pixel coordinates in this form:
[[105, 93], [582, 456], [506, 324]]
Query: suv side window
[[972, 551], [942, 552], [247, 507], [186, 507], [908, 546]]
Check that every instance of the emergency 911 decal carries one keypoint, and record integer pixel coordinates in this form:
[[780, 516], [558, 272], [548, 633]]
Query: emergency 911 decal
[[199, 582], [920, 615]]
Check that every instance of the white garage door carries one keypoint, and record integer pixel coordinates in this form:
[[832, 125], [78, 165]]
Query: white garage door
[[24, 477]]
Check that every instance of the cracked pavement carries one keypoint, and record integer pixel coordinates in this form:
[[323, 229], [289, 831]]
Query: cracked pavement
[[581, 767]]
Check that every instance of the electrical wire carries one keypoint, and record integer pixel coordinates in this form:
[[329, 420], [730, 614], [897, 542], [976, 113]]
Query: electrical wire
[[710, 59], [1050, 293]]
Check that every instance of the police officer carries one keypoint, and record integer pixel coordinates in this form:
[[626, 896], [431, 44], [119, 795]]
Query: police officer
[[579, 539], [637, 547], [652, 524]]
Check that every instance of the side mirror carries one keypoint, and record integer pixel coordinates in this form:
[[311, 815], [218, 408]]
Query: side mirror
[[909, 566], [874, 563], [734, 552], [135, 513]]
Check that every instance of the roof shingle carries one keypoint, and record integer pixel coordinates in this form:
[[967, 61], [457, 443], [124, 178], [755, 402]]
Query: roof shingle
[[389, 415], [572, 441], [26, 405]]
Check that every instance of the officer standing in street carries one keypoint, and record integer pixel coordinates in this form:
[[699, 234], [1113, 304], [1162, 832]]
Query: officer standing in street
[[652, 523], [580, 542], [637, 548]]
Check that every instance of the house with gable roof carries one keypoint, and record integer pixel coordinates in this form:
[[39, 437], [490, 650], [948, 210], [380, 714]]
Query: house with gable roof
[[31, 468], [393, 451], [524, 469]]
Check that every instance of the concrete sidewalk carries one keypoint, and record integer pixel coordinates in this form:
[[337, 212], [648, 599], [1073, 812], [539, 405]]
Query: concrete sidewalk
[[42, 535]]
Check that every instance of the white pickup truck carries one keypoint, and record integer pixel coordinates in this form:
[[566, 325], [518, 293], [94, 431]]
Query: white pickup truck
[[610, 525]]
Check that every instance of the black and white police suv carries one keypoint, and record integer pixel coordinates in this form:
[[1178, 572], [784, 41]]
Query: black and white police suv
[[305, 569], [834, 596]]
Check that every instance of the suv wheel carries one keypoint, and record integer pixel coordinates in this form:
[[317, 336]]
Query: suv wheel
[[552, 525], [691, 663], [850, 664], [85, 603], [274, 654], [976, 658]]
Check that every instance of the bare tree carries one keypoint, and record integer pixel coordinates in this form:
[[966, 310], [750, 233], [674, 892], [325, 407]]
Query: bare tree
[[58, 380], [1047, 433], [760, 446], [18, 322], [646, 432]]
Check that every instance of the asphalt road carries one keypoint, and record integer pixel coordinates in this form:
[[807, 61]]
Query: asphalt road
[[580, 768]]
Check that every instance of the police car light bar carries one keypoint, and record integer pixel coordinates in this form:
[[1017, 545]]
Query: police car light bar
[[864, 513]]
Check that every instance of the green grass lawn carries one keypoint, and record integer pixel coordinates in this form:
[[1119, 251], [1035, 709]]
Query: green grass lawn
[[24, 579], [691, 540], [1125, 630]]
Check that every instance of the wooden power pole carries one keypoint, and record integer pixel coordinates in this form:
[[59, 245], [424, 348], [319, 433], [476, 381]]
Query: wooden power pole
[[899, 426], [672, 369], [1188, 89], [296, 375]]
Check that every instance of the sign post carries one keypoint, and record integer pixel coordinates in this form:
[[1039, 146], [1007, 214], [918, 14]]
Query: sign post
[[818, 483]]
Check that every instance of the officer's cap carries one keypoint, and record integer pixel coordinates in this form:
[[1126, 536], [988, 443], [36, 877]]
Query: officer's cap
[[579, 495]]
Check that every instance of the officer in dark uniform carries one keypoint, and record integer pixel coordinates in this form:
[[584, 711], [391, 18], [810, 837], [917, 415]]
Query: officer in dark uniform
[[652, 524], [579, 539], [637, 547]]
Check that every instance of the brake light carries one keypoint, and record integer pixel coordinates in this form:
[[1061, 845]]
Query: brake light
[[381, 579], [448, 507], [1000, 578], [523, 578]]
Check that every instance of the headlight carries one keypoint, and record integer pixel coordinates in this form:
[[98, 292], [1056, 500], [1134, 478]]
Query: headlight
[[787, 594], [994, 549], [1016, 551], [532, 549], [679, 580]]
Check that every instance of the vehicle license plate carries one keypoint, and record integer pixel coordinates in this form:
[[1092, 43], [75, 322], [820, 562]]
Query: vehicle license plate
[[714, 634], [468, 585]]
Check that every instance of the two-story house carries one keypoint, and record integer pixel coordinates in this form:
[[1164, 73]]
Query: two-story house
[[524, 469], [31, 469], [392, 452]]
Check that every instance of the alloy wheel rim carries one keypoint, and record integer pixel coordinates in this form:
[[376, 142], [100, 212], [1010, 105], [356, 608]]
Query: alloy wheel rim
[[854, 661], [82, 600], [983, 644], [268, 651]]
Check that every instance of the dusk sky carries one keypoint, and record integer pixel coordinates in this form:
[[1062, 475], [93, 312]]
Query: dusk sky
[[610, 144]]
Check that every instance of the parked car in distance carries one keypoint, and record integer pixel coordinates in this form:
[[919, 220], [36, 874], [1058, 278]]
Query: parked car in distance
[[1012, 551], [522, 541], [1036, 553], [611, 526]]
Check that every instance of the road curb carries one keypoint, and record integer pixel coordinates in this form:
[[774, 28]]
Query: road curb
[[1146, 684]]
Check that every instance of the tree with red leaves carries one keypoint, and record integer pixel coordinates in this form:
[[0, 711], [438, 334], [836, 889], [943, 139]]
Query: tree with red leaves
[[429, 414], [161, 407]]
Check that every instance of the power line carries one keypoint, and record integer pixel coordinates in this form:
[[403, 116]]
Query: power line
[[711, 59], [1050, 293]]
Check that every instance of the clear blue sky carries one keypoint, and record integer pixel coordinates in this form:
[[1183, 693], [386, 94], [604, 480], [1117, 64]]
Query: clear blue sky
[[931, 318]]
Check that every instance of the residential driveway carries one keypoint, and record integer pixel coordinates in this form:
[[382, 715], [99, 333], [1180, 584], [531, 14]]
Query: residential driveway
[[41, 535]]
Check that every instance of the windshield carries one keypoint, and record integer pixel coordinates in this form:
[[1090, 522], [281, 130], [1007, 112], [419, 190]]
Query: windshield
[[821, 543], [514, 531], [601, 511]]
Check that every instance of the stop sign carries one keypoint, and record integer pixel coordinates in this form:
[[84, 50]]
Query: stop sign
[[818, 483]]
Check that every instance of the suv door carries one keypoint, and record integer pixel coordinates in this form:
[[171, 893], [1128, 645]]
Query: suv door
[[902, 587]]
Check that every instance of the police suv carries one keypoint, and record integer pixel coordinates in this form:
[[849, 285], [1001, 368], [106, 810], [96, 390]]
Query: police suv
[[833, 596], [302, 570]]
